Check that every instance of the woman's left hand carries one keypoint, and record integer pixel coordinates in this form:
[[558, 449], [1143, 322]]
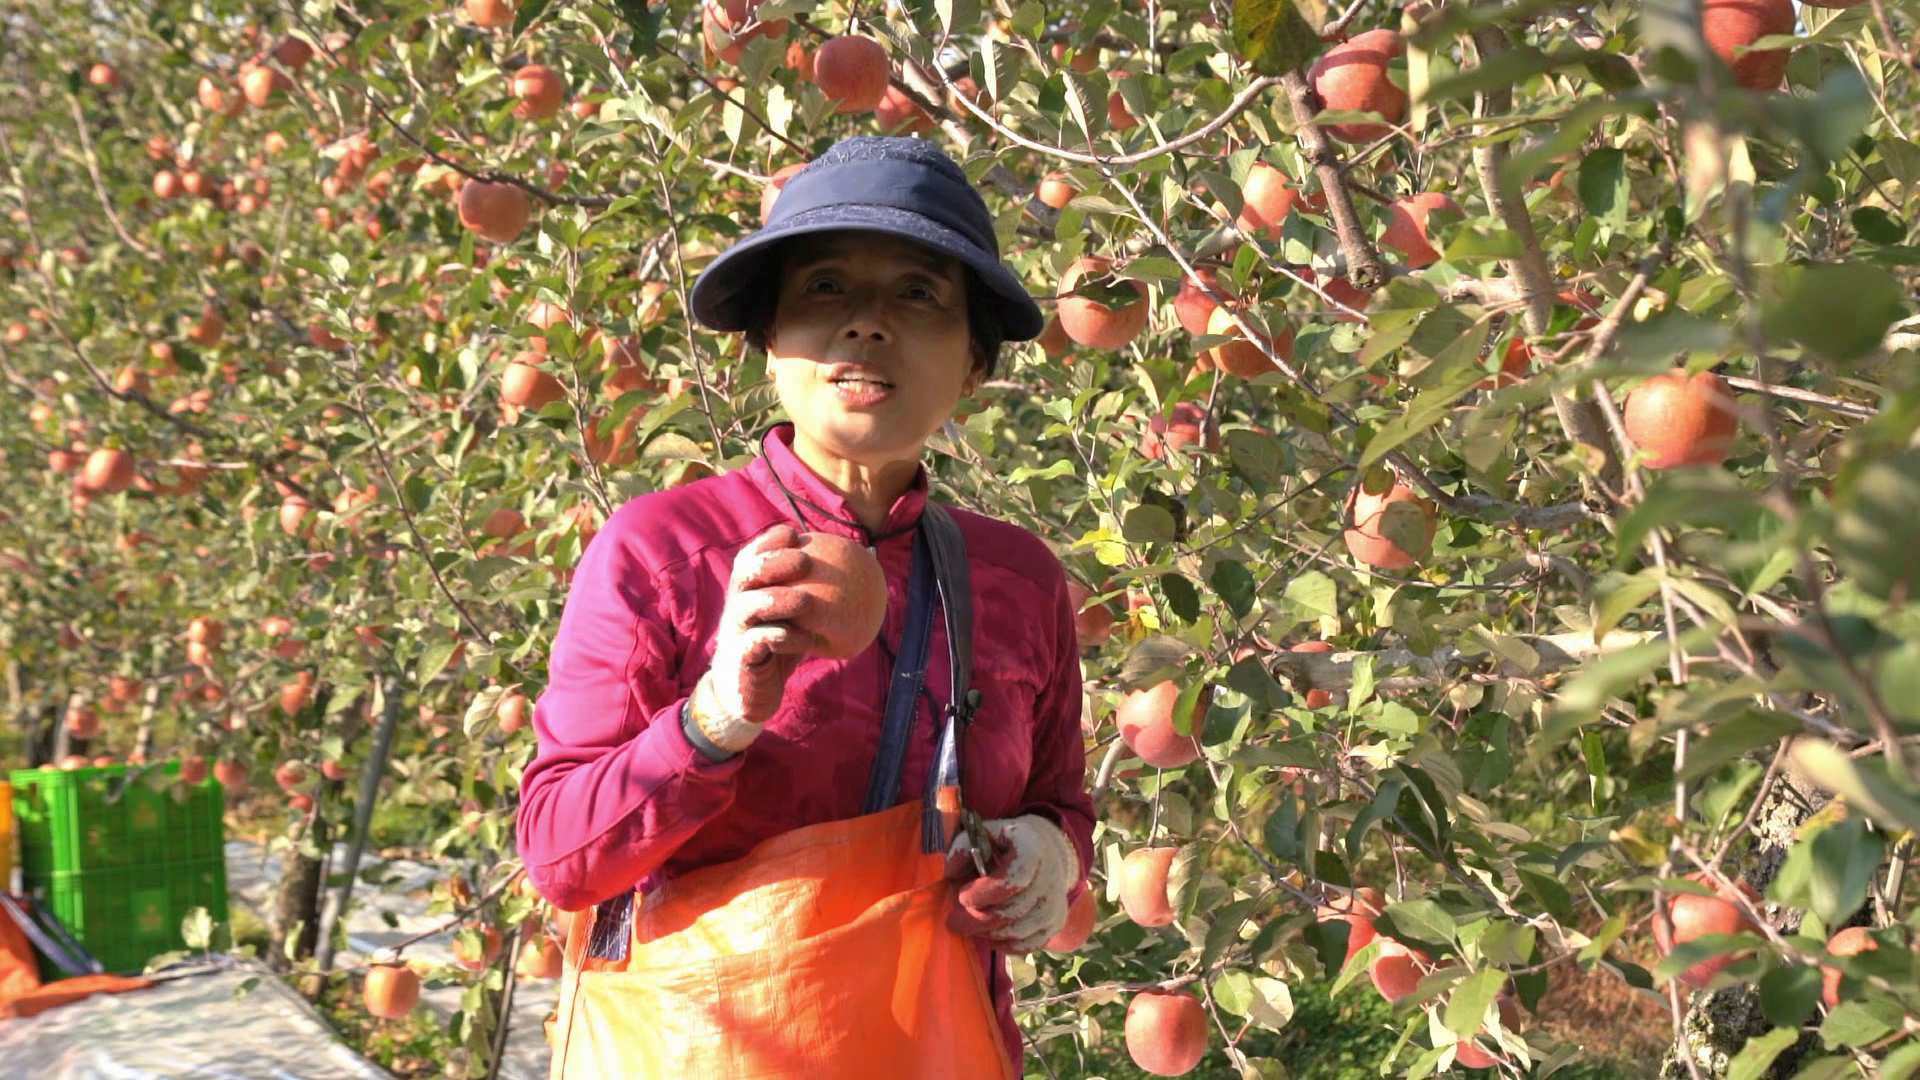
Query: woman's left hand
[[1021, 903]]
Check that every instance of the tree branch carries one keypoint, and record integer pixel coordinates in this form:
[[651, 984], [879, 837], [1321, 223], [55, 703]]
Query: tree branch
[[99, 186], [1365, 268], [1579, 419], [1556, 652]]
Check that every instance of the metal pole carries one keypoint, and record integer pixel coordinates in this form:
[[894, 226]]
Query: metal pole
[[506, 1004], [362, 816]]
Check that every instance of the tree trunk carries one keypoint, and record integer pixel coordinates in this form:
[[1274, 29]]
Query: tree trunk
[[296, 912], [1719, 1023]]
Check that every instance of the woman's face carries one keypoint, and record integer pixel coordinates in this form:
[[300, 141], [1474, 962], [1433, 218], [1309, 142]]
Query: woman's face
[[869, 347]]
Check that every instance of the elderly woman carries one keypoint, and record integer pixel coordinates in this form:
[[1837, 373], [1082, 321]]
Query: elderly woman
[[695, 761]]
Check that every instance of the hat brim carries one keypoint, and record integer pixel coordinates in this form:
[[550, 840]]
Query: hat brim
[[721, 300]]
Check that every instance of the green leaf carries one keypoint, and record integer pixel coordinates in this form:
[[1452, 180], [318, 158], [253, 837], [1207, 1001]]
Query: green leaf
[[1864, 785], [1422, 920], [1607, 678], [960, 13], [1831, 119], [1427, 410], [641, 18], [1080, 102], [1147, 524], [480, 711], [1272, 1003], [1226, 713], [1878, 529], [1225, 930], [1328, 940], [530, 11], [1757, 1056], [1845, 856], [1505, 69], [1361, 686], [196, 928], [1182, 597], [1837, 1067], [1312, 593], [1788, 994], [1692, 496], [1234, 992], [1250, 677], [999, 69], [1839, 311], [1877, 225], [1548, 892], [1860, 1023], [1185, 705], [1272, 36], [1386, 800], [1255, 456], [1282, 828], [1735, 737], [1472, 997], [1903, 1063], [1603, 185], [433, 660], [1235, 586]]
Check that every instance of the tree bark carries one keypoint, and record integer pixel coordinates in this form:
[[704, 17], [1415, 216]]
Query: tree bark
[[296, 921], [1719, 1022]]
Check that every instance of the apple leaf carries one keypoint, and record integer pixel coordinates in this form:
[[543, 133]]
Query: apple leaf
[[1273, 36], [1860, 1023], [1760, 1051], [641, 17], [1788, 994], [1603, 185], [1408, 528], [1235, 586], [1472, 998], [1863, 784], [1839, 311], [1879, 526]]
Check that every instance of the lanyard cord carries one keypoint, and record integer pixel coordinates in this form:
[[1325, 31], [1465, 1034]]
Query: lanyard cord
[[793, 503]]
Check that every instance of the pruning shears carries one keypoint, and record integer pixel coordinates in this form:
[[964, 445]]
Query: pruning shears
[[977, 838]]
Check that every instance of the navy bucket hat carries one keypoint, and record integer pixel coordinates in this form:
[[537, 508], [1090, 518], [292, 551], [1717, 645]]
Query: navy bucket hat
[[898, 185]]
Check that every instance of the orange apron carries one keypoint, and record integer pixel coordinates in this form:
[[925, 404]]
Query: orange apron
[[823, 954]]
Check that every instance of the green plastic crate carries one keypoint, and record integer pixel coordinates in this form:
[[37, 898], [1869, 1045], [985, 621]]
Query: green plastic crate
[[113, 817], [120, 853], [127, 917]]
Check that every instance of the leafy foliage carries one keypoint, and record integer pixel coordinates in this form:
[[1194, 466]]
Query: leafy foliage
[[372, 445]]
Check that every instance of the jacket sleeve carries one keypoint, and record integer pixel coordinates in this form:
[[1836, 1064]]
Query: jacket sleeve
[[615, 787], [1057, 783]]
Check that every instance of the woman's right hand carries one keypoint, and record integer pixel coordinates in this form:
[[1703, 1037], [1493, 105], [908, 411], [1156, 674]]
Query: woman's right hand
[[756, 646]]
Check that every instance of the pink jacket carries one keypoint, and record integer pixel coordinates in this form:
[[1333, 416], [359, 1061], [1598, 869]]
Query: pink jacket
[[617, 798]]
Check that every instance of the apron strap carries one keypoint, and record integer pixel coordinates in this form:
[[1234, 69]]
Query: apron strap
[[903, 689], [942, 807]]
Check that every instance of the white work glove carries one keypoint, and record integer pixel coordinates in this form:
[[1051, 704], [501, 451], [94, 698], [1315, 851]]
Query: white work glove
[[755, 647], [1021, 903]]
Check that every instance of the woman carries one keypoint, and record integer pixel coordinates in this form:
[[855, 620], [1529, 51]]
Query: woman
[[684, 727]]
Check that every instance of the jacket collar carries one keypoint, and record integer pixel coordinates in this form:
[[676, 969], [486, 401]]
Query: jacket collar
[[818, 506]]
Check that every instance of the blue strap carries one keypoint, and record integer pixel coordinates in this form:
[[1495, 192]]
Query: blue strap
[[903, 690], [948, 551]]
